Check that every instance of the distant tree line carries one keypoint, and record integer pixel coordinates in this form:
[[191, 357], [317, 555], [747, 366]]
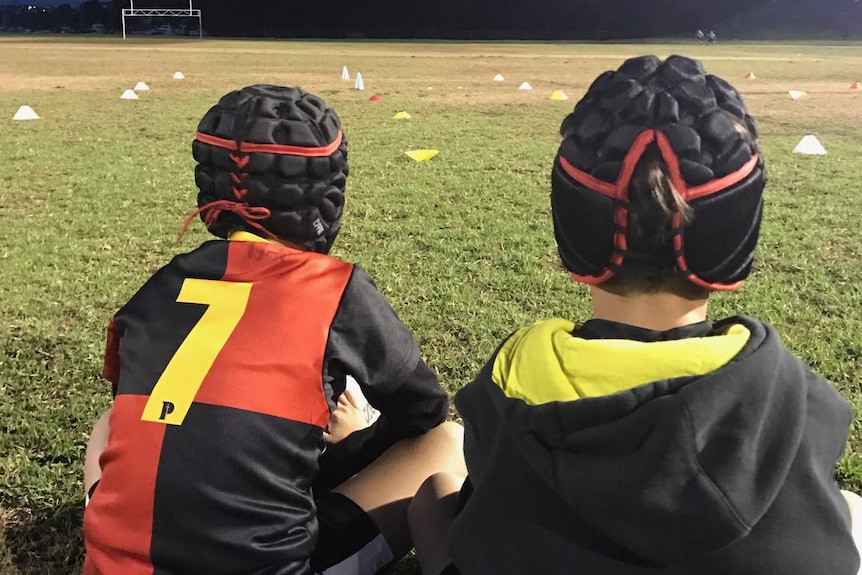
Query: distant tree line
[[65, 17]]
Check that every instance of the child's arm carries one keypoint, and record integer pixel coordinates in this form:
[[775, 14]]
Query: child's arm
[[99, 437], [369, 342], [95, 446]]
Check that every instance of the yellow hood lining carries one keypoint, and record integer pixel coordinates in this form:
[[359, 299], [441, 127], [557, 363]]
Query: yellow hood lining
[[545, 362]]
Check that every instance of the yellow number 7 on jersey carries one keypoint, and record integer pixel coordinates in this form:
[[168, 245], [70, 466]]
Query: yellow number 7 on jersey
[[178, 385]]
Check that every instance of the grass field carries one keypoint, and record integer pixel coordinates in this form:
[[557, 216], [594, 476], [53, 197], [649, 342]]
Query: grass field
[[92, 197]]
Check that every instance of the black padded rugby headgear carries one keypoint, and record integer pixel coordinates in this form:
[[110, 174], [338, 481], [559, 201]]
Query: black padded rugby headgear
[[273, 159], [707, 141]]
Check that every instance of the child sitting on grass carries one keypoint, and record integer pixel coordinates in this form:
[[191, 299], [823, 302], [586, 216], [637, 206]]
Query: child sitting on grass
[[232, 446], [648, 439]]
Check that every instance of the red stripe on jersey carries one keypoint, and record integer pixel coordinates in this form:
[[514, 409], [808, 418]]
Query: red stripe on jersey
[[273, 361], [118, 528]]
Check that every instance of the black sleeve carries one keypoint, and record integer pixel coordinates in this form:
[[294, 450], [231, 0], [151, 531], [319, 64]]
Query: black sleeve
[[369, 342]]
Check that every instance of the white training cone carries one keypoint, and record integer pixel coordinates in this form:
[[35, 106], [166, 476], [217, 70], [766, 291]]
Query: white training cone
[[525, 86], [345, 75], [359, 85], [129, 95], [498, 78], [179, 76], [25, 113], [810, 146], [141, 87], [796, 94]]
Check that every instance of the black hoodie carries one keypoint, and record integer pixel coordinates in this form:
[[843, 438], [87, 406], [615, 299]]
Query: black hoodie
[[729, 472]]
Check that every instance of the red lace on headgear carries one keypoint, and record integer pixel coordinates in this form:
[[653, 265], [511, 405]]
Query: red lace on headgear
[[250, 215]]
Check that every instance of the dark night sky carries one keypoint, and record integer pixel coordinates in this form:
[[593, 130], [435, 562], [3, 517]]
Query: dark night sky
[[432, 17], [481, 19]]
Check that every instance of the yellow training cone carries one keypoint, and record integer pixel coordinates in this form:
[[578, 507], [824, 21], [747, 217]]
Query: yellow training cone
[[421, 155], [402, 116], [559, 95]]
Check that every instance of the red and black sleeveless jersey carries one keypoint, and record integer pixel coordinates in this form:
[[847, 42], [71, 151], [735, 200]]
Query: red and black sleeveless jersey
[[225, 367]]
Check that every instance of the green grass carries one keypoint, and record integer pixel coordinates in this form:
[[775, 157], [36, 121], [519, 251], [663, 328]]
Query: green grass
[[93, 195]]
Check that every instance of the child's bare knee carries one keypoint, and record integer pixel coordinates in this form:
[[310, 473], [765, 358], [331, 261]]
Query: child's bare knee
[[449, 432], [446, 443], [431, 492]]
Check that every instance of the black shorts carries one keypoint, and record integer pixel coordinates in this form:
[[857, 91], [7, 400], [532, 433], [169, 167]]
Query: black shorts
[[349, 543]]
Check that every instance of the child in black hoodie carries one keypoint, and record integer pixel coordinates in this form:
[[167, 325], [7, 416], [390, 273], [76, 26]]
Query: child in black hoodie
[[648, 439]]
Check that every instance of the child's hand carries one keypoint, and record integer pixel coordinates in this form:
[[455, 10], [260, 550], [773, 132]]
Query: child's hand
[[346, 418]]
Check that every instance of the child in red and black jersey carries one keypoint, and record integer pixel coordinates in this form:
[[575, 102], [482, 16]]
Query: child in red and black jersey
[[232, 445]]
